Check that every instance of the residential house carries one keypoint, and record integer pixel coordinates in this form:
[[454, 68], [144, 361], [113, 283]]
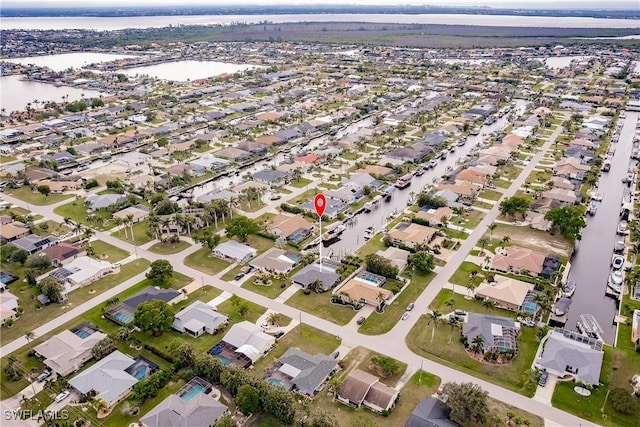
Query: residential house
[[198, 318], [397, 256], [134, 159], [571, 168], [273, 178], [13, 230], [472, 177], [294, 228], [635, 326], [435, 216], [506, 292], [497, 332], [186, 409], [276, 260], [209, 162], [60, 186], [363, 389], [123, 313], [33, 243], [410, 235], [68, 351], [235, 251], [563, 196], [302, 372], [431, 412], [559, 182], [107, 379], [361, 290], [8, 306], [334, 206], [82, 271], [326, 275], [464, 190], [567, 353], [376, 170], [248, 339], [516, 259], [138, 213], [63, 253], [537, 222], [101, 201]]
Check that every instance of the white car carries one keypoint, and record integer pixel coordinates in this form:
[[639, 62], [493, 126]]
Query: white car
[[265, 325], [62, 396], [405, 316]]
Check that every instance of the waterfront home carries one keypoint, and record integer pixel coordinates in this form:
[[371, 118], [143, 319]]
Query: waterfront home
[[497, 332], [506, 292], [293, 227], [273, 178], [101, 201], [410, 235], [570, 168], [519, 260]]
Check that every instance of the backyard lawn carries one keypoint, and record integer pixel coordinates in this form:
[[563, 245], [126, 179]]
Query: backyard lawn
[[203, 260], [169, 248], [462, 276], [25, 194], [77, 211], [490, 194], [470, 219], [319, 305], [107, 252], [380, 323], [50, 228]]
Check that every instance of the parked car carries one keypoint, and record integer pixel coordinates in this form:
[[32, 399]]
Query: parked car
[[238, 276], [543, 378], [410, 306], [405, 316], [459, 312], [278, 334], [335, 354], [360, 320], [43, 376], [62, 396], [265, 325]]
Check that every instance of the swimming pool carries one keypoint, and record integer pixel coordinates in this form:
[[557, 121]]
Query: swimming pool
[[124, 318], [277, 382], [140, 373], [197, 388], [82, 333], [225, 361]]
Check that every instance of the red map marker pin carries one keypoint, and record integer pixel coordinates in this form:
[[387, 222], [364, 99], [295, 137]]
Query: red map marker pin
[[320, 203]]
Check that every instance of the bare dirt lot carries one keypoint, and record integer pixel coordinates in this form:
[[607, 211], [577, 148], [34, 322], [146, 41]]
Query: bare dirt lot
[[526, 237]]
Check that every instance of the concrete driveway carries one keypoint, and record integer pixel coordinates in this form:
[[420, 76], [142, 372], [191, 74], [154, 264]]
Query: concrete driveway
[[544, 394]]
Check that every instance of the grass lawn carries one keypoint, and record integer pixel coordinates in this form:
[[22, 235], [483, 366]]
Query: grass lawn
[[446, 349], [501, 183], [254, 313], [168, 248], [510, 172], [229, 275], [107, 252], [490, 194], [300, 183], [50, 228], [204, 261], [306, 338], [318, 304], [455, 234], [470, 219], [380, 323], [273, 291], [33, 318], [260, 243], [462, 276], [372, 246], [25, 194], [482, 205], [140, 236], [16, 210]]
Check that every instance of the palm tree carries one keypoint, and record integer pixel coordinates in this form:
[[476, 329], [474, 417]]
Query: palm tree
[[470, 287], [450, 302], [489, 304], [454, 322], [117, 222], [273, 318], [188, 219], [483, 241], [505, 240], [88, 232], [99, 405], [29, 335], [434, 317], [491, 227], [129, 220], [478, 344]]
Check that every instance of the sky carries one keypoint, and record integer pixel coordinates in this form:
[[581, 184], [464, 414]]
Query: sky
[[524, 4]]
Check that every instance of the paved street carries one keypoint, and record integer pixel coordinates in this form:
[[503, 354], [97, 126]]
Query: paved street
[[392, 343]]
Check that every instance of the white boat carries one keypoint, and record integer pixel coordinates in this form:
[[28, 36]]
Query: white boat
[[617, 262], [622, 228], [369, 232], [334, 231], [593, 208], [618, 247], [404, 181], [615, 281], [568, 289]]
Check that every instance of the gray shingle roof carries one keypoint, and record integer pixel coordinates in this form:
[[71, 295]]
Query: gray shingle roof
[[313, 369], [200, 410]]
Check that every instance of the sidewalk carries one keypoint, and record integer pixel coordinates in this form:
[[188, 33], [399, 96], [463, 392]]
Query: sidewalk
[[288, 293]]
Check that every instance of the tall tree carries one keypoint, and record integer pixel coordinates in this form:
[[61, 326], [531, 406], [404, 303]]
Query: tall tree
[[155, 316], [248, 399], [161, 271], [241, 227], [468, 402], [568, 220]]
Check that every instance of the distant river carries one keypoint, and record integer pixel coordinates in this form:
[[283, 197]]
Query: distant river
[[104, 24]]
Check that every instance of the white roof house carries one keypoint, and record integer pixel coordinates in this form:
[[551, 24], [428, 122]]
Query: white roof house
[[66, 352], [198, 318], [234, 250], [81, 271], [134, 158], [107, 378], [8, 306], [98, 201], [249, 340]]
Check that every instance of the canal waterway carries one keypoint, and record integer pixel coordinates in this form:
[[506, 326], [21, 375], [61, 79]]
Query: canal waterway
[[353, 237], [591, 263]]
